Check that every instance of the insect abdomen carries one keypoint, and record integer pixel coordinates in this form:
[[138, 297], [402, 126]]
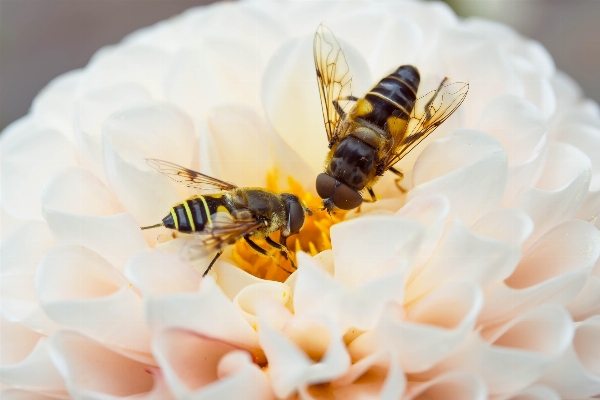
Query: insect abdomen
[[191, 215], [393, 95]]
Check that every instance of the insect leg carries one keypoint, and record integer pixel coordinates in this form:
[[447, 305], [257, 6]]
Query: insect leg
[[212, 262], [397, 180], [284, 250], [373, 197], [262, 251], [339, 109]]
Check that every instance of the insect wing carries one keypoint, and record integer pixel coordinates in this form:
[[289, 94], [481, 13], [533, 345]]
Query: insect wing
[[187, 177], [429, 112], [224, 231], [333, 77]]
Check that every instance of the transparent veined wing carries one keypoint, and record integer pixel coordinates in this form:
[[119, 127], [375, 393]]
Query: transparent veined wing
[[429, 112], [188, 177], [225, 230], [334, 80]]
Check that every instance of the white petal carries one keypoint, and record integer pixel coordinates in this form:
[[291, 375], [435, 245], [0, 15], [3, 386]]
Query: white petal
[[156, 272], [455, 385], [289, 352], [7, 223], [491, 76], [386, 39], [432, 211], [538, 88], [21, 252], [587, 139], [377, 376], [351, 307], [514, 122], [463, 254], [16, 342], [91, 222], [297, 118], [142, 65], [507, 224], [53, 106], [148, 130], [160, 390], [249, 148], [587, 302], [518, 352], [212, 72], [93, 372], [560, 190], [576, 374], [435, 327], [77, 191], [468, 167], [553, 271], [35, 372], [197, 367], [29, 157], [567, 90], [18, 394], [90, 111], [315, 288], [521, 129], [82, 291], [208, 312], [248, 298], [260, 28], [535, 392], [232, 279], [369, 247]]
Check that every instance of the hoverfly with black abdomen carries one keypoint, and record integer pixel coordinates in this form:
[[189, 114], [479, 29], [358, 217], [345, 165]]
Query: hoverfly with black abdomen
[[367, 136], [233, 214]]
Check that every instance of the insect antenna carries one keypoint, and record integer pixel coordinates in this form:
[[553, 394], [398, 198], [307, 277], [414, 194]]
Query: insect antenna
[[151, 226]]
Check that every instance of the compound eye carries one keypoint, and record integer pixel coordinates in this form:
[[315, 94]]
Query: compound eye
[[346, 198], [325, 185], [295, 218]]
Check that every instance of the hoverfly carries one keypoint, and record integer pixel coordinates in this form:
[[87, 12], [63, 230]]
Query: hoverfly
[[233, 214], [367, 136]]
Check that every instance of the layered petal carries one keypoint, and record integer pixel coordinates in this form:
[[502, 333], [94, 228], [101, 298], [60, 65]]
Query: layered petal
[[21, 253], [464, 254], [30, 155], [290, 97], [553, 271], [576, 374], [53, 106], [307, 350], [468, 167], [94, 372], [148, 130], [80, 210], [516, 354], [559, 192], [190, 311], [434, 328], [82, 291], [197, 367]]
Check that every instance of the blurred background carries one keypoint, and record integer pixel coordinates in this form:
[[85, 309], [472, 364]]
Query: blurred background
[[41, 39]]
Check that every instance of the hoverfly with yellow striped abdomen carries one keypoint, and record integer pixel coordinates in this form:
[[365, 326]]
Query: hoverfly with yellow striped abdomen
[[232, 214], [367, 136]]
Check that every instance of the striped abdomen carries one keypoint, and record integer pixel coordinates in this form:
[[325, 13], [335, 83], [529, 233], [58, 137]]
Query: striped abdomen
[[393, 96], [194, 214]]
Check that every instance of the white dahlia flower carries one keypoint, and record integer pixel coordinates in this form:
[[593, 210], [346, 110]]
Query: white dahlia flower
[[480, 282]]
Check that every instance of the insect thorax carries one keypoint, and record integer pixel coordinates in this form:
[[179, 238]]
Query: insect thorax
[[260, 204]]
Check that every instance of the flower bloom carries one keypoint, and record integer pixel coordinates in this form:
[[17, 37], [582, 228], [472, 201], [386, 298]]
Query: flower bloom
[[480, 282]]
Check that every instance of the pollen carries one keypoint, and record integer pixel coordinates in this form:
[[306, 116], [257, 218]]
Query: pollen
[[312, 239]]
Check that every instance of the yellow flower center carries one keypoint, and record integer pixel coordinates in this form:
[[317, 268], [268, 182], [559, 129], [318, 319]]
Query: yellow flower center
[[313, 239]]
